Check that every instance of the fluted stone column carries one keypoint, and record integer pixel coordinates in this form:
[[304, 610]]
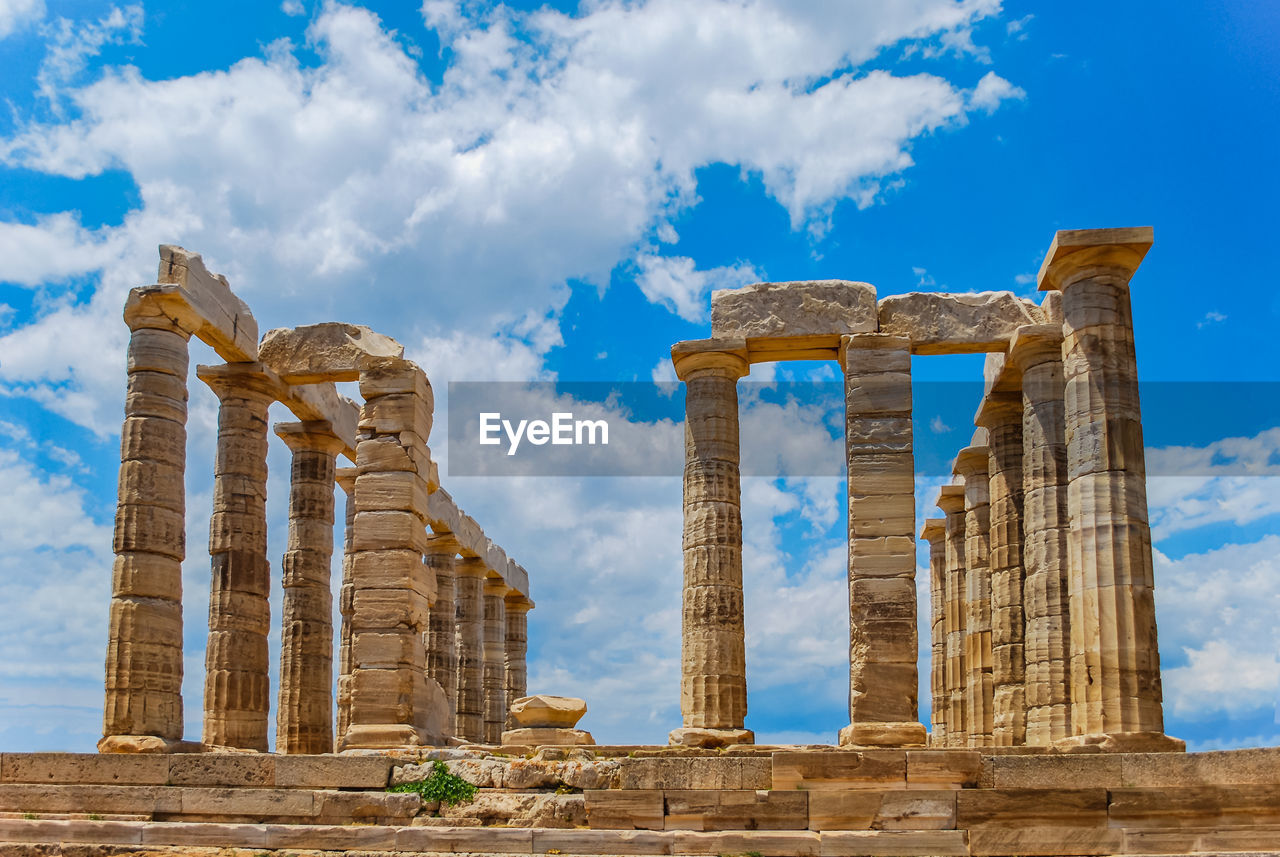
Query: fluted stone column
[[237, 685], [972, 464], [951, 502], [1001, 415], [883, 645], [143, 704], [934, 532], [517, 638], [1036, 351], [495, 659], [1113, 622], [304, 717], [346, 478], [713, 685], [469, 697], [442, 651]]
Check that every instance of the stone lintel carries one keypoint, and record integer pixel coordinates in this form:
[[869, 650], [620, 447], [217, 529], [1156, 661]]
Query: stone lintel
[[203, 303], [331, 351], [725, 355], [446, 519], [346, 478], [776, 316], [1073, 249], [951, 498], [934, 528], [971, 461], [247, 377], [942, 323]]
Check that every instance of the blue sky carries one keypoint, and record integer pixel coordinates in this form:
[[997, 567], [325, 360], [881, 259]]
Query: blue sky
[[549, 193]]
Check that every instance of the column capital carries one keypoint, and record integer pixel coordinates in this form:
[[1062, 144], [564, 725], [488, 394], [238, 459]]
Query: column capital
[[471, 566], [247, 380], [999, 408], [724, 357], [440, 544], [1034, 344], [933, 529], [496, 586], [971, 461], [518, 603], [346, 479], [881, 341], [160, 308], [951, 499], [310, 436], [1075, 253]]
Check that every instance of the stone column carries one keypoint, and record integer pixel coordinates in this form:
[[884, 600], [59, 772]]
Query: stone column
[[883, 652], [713, 683], [469, 697], [972, 464], [495, 659], [1113, 622], [143, 704], [393, 702], [346, 478], [934, 532], [1036, 352], [951, 502], [442, 651], [1001, 415], [304, 717], [517, 637], [237, 686]]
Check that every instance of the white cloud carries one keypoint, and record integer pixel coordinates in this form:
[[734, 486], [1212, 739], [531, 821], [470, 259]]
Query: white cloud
[[15, 14], [1211, 317], [293, 8], [675, 282], [991, 91], [1233, 480], [71, 44]]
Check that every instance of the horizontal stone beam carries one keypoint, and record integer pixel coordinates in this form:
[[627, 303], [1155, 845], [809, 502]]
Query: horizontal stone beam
[[795, 320], [332, 351], [203, 302], [445, 517], [940, 323]]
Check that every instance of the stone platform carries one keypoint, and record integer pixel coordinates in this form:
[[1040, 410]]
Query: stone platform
[[647, 800]]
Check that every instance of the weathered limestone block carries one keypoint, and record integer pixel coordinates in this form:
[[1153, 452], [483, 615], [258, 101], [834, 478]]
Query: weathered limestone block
[[713, 689], [561, 712], [202, 303], [629, 809], [1001, 414], [517, 640], [882, 593], [951, 502], [971, 464], [304, 720], [494, 673], [937, 323], [1113, 628], [865, 809], [469, 697], [237, 684], [143, 702], [1036, 352], [331, 351], [544, 736], [839, 770], [717, 809], [522, 810], [788, 319]]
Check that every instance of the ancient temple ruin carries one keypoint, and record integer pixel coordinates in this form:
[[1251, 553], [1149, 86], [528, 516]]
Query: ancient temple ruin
[[1058, 446], [433, 632]]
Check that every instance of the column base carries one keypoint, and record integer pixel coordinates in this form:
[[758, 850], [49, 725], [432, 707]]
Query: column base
[[148, 744], [1121, 742], [905, 734], [546, 736], [390, 736], [697, 736]]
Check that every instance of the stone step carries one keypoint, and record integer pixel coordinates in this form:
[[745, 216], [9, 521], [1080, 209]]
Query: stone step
[[239, 770], [152, 838]]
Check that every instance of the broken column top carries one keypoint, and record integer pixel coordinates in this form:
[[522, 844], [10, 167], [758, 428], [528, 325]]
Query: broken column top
[[1124, 248], [330, 351], [933, 528], [542, 710]]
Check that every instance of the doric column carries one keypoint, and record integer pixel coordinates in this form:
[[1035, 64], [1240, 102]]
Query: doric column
[[1001, 415], [951, 502], [237, 685], [517, 638], [972, 464], [393, 702], [442, 651], [143, 705], [934, 532], [495, 659], [346, 478], [1113, 622], [883, 653], [713, 683], [469, 697], [304, 717], [1036, 352]]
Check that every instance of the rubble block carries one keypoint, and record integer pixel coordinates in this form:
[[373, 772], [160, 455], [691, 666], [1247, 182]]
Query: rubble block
[[840, 769], [717, 809]]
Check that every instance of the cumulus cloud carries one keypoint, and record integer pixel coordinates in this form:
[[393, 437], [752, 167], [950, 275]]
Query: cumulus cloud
[[992, 90], [676, 283], [15, 14]]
